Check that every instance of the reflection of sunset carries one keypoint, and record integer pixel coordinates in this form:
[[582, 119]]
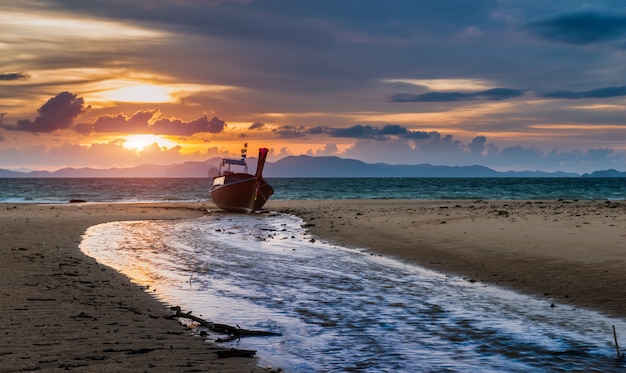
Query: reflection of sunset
[[139, 142]]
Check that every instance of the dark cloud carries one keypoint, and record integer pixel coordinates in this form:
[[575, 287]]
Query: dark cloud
[[356, 132], [58, 113], [140, 122], [317, 130], [367, 132], [495, 94], [136, 123], [420, 135], [477, 146], [14, 76], [286, 47], [290, 132], [605, 92], [177, 127], [581, 27], [256, 126]]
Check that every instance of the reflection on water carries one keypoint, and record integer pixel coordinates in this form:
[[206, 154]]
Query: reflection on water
[[344, 310]]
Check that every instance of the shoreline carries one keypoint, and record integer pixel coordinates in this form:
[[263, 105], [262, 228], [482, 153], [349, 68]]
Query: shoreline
[[566, 252], [64, 310]]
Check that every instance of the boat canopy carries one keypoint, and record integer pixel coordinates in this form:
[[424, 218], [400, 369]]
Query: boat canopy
[[240, 162]]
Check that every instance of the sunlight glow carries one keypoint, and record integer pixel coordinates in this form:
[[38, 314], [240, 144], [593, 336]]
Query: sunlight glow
[[140, 142], [600, 107], [445, 84], [438, 119], [55, 24], [142, 87], [140, 93], [590, 127]]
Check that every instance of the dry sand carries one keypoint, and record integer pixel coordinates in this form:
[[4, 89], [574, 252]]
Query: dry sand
[[62, 310]]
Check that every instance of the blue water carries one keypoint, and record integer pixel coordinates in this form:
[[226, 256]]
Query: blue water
[[132, 190]]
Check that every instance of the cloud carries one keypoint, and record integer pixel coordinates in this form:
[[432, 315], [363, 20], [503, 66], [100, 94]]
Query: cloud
[[120, 123], [581, 27], [329, 149], [290, 132], [58, 113], [177, 127], [144, 122], [256, 126], [477, 146], [495, 94], [365, 132], [370, 132], [358, 131], [605, 92], [14, 76]]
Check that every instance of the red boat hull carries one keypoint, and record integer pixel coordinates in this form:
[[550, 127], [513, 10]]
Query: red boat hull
[[241, 193]]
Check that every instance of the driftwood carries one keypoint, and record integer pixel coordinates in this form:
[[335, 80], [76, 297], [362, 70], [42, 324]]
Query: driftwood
[[221, 328], [620, 356], [233, 352]]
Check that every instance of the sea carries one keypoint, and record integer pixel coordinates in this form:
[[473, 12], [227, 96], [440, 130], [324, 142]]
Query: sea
[[336, 309], [60, 190]]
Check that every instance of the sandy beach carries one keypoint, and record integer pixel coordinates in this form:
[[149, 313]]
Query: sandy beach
[[62, 310]]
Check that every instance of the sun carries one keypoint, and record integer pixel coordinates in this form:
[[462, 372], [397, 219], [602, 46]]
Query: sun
[[140, 142]]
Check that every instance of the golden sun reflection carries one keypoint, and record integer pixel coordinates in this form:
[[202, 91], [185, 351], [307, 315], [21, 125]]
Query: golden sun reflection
[[140, 142]]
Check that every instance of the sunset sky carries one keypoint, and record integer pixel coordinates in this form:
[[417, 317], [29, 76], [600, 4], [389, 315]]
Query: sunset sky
[[508, 84]]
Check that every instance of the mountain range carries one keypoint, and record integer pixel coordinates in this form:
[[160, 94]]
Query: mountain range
[[299, 166]]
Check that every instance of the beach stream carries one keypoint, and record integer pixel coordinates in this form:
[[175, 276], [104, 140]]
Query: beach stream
[[341, 309]]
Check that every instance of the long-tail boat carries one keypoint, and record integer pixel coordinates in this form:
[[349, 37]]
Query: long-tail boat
[[241, 191]]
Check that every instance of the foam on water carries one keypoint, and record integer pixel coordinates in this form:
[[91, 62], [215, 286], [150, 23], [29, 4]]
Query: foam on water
[[346, 310]]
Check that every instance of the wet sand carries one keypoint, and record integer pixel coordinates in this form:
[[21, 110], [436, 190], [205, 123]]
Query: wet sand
[[62, 310]]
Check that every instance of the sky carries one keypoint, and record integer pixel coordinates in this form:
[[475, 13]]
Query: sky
[[508, 84]]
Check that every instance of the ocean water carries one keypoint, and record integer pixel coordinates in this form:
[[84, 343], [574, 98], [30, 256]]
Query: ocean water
[[130, 190], [339, 309]]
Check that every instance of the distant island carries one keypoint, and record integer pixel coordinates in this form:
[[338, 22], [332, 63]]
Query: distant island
[[298, 167]]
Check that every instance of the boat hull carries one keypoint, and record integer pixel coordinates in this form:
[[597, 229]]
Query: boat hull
[[245, 195]]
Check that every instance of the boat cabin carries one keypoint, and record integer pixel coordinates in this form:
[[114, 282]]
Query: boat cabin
[[226, 163], [227, 175]]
